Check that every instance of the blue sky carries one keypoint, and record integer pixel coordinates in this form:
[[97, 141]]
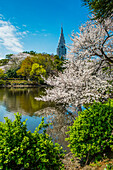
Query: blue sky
[[36, 24]]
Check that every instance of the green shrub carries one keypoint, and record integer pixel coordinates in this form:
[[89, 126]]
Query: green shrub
[[91, 134], [11, 73], [21, 148]]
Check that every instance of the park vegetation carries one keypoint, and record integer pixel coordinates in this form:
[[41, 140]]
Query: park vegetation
[[87, 80], [31, 68]]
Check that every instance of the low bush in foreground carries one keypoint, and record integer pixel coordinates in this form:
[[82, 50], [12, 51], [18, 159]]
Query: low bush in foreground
[[91, 134], [21, 148]]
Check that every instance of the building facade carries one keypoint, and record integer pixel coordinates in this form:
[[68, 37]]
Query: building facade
[[61, 50]]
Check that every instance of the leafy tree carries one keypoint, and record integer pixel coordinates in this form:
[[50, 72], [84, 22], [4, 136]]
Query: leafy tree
[[20, 148], [51, 64], [37, 71], [46, 61], [25, 68], [8, 56], [30, 52], [102, 9], [42, 59], [58, 63]]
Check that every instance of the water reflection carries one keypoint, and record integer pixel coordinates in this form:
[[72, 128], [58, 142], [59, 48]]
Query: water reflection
[[14, 100], [22, 100]]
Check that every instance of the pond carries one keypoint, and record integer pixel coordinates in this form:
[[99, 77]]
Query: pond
[[22, 100]]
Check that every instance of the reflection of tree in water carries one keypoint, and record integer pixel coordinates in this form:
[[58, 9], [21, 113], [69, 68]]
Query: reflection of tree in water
[[2, 94], [22, 100], [60, 119]]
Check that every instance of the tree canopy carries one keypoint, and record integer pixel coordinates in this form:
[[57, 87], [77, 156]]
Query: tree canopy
[[37, 71], [102, 9], [25, 67], [51, 65]]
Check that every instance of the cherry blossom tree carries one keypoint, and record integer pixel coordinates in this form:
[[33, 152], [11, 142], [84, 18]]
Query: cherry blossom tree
[[94, 40], [85, 78], [15, 61], [77, 84]]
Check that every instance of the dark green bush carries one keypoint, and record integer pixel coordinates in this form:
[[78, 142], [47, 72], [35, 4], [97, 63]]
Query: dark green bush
[[91, 134], [11, 73], [21, 148]]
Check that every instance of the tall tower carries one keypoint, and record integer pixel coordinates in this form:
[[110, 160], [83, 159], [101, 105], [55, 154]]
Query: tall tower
[[61, 50]]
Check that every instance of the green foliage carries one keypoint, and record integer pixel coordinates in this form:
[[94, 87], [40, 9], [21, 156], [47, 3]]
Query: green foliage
[[3, 62], [51, 65], [37, 71], [58, 63], [21, 148], [12, 73], [109, 167], [2, 75], [30, 52], [8, 56], [46, 61], [91, 134], [2, 82], [25, 69], [101, 8]]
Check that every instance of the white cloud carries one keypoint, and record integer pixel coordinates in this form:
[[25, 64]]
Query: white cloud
[[8, 38], [22, 34], [1, 16], [24, 25]]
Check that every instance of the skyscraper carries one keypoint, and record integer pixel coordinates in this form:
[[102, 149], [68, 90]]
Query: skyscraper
[[61, 50]]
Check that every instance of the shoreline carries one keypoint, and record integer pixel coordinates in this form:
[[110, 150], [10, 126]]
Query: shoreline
[[24, 86], [20, 83]]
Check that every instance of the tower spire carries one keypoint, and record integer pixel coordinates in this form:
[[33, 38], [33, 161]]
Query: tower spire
[[61, 50], [61, 28]]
